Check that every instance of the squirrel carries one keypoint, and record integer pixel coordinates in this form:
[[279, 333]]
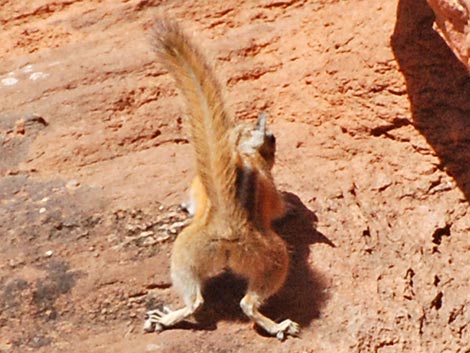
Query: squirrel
[[234, 196]]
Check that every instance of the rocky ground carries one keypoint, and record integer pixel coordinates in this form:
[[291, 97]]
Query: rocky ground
[[452, 23], [371, 113]]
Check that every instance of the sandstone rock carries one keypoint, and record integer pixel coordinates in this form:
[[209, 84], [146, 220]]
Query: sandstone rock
[[452, 23], [373, 156]]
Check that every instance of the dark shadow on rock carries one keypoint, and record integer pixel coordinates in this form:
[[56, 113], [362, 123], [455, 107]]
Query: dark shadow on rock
[[438, 87], [35, 299], [59, 281], [304, 293], [68, 215]]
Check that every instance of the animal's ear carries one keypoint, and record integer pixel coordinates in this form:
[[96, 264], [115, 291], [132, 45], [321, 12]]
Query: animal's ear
[[261, 123]]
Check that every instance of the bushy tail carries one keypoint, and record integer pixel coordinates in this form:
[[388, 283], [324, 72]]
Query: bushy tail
[[210, 126]]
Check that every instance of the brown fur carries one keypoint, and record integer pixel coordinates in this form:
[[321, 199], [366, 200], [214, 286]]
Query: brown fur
[[236, 198]]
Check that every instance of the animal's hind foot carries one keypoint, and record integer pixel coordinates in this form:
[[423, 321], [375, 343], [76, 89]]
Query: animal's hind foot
[[153, 319], [286, 328]]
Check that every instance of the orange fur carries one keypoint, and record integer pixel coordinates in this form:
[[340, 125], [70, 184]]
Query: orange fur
[[235, 195]]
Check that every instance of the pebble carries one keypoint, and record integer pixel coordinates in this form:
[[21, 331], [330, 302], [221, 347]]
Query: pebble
[[9, 81], [162, 238], [146, 234], [27, 68], [14, 263], [20, 127], [12, 172], [130, 227], [38, 75], [72, 184]]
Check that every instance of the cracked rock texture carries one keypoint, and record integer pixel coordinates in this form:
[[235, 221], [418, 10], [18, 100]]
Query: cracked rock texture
[[452, 24], [371, 112]]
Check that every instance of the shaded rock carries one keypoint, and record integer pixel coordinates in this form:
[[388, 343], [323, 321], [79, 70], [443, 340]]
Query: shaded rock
[[452, 24]]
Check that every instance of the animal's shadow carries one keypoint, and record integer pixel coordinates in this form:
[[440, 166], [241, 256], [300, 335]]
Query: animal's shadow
[[438, 88], [304, 293]]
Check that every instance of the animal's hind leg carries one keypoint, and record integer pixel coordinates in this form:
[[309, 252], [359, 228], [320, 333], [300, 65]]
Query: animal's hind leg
[[159, 319], [264, 280], [250, 305]]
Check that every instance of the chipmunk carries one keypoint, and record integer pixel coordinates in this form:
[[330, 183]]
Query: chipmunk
[[236, 199]]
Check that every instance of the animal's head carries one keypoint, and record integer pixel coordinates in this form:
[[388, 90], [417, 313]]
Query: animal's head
[[257, 139]]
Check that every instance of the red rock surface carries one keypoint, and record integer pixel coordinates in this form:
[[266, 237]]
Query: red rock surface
[[452, 24], [370, 108]]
